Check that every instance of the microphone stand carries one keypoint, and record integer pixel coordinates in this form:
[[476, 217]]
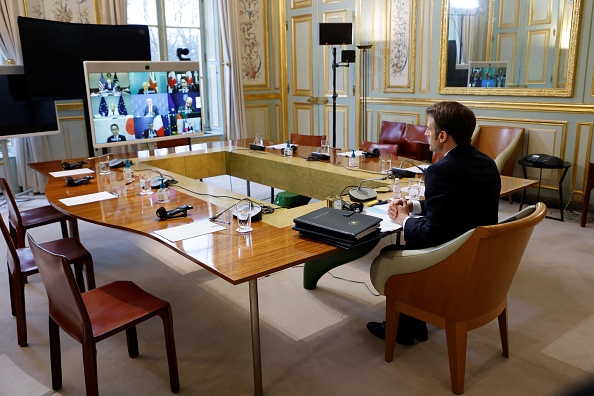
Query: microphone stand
[[335, 65]]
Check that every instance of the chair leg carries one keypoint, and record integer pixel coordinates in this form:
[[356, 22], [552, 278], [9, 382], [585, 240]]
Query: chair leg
[[502, 319], [167, 318], [10, 293], [585, 206], [132, 341], [64, 227], [392, 318], [18, 298], [90, 270], [90, 367], [55, 355], [78, 276], [456, 335]]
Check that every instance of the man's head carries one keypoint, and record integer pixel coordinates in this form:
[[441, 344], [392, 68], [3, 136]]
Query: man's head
[[149, 102], [183, 80], [456, 120], [150, 126], [145, 85], [189, 101], [115, 129]]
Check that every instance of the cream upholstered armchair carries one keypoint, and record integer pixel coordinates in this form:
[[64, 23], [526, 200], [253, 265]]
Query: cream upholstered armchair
[[460, 285], [500, 143]]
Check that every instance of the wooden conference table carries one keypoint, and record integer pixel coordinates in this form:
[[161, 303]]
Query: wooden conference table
[[272, 245]]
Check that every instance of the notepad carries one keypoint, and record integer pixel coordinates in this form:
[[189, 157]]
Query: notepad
[[73, 172], [187, 231], [87, 198]]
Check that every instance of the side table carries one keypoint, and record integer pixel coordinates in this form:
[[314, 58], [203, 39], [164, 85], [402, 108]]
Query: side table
[[540, 165]]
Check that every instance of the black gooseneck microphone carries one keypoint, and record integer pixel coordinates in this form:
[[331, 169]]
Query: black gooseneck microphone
[[404, 173], [180, 211], [361, 194], [75, 165], [77, 182]]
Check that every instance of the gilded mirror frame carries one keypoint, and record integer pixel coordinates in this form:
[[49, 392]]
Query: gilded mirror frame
[[566, 91]]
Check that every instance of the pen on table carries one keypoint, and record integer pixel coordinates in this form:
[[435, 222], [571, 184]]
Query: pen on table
[[132, 181], [381, 202]]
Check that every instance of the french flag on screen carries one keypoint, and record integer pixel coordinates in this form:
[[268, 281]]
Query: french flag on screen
[[101, 83]]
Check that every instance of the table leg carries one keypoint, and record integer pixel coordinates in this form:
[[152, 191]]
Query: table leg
[[256, 351], [248, 188], [523, 190]]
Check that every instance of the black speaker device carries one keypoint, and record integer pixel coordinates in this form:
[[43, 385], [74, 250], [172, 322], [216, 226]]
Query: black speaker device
[[320, 156], [76, 165], [180, 211], [77, 182], [348, 56], [257, 147]]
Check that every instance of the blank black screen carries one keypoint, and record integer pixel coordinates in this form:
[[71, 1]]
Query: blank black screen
[[53, 53], [336, 33]]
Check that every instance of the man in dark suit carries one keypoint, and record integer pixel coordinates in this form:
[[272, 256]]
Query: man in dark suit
[[146, 89], [461, 193], [115, 134], [150, 132], [187, 107], [184, 86], [150, 109]]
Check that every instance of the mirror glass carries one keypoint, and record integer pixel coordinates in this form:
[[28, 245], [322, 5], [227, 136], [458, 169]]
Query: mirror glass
[[509, 47]]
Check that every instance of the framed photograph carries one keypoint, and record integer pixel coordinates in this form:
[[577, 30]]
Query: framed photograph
[[253, 18]]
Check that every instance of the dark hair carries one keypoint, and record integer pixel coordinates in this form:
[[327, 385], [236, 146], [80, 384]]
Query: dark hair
[[183, 78], [114, 125], [454, 118]]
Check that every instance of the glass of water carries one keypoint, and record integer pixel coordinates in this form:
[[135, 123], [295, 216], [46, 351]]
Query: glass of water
[[104, 165], [386, 161], [145, 183], [414, 188], [243, 209]]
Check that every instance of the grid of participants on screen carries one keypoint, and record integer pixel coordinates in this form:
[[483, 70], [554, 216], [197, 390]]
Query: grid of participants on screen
[[143, 105]]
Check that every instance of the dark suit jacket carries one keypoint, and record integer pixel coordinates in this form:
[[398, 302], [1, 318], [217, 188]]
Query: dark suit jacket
[[191, 88], [182, 109], [155, 110], [461, 192], [149, 91], [145, 134], [111, 139]]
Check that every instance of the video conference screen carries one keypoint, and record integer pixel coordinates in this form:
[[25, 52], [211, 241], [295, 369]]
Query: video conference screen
[[135, 102]]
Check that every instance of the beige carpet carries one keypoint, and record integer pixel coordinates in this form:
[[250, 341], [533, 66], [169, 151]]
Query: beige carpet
[[313, 342]]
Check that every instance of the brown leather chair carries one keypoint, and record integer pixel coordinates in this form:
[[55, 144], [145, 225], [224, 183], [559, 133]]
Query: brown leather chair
[[384, 148], [587, 191], [20, 222], [21, 264], [460, 285], [411, 139], [307, 140], [95, 315]]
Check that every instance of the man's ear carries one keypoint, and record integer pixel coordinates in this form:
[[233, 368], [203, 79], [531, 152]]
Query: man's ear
[[443, 136]]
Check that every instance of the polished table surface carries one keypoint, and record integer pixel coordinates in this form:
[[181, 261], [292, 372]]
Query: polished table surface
[[270, 247]]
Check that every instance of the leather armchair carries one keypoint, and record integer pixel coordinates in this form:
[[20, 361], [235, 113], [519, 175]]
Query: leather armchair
[[500, 143], [459, 285], [411, 139]]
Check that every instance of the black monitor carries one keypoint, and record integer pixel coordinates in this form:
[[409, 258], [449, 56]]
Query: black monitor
[[20, 115], [336, 33], [53, 53]]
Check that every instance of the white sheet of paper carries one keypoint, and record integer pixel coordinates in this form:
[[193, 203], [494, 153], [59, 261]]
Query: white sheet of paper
[[381, 211], [73, 172], [358, 153], [83, 199], [417, 170], [187, 231], [281, 146]]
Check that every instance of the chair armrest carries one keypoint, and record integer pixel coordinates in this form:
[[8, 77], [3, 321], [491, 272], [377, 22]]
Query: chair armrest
[[395, 262]]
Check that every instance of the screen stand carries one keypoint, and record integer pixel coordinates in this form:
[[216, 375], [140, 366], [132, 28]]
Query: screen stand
[[334, 94], [88, 121]]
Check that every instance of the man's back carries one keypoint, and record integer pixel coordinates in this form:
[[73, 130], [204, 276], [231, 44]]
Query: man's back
[[461, 192]]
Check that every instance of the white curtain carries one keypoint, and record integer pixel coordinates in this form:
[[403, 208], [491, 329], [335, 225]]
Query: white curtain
[[114, 12], [9, 38], [231, 55]]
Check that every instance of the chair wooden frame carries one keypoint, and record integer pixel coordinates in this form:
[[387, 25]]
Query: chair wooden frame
[[83, 316], [21, 265], [460, 285], [21, 221]]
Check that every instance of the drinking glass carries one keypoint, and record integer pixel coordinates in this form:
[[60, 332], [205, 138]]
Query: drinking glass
[[145, 183], [259, 140], [414, 188], [104, 165], [386, 161], [243, 209]]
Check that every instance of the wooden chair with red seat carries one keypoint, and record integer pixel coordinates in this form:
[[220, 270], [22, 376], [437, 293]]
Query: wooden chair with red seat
[[384, 148], [587, 191], [21, 221], [460, 285], [21, 264], [96, 315]]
